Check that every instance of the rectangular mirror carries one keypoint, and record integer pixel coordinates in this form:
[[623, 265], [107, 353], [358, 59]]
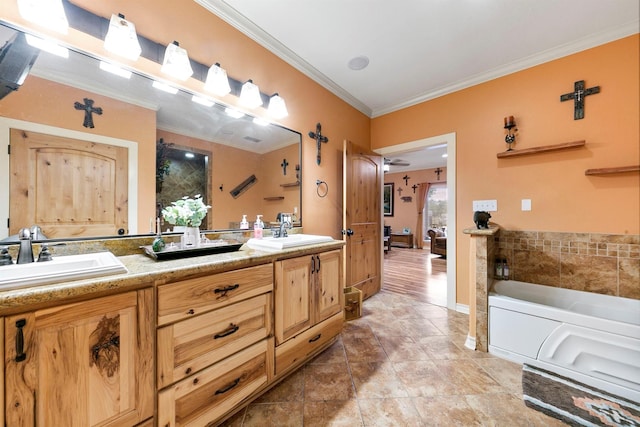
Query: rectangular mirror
[[92, 183]]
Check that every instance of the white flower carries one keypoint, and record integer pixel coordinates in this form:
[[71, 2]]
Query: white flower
[[186, 211]]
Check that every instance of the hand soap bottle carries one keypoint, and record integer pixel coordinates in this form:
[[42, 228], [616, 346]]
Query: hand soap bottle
[[258, 226], [244, 224]]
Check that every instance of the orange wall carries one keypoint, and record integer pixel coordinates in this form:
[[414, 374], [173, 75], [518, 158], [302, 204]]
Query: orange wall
[[563, 198], [45, 102]]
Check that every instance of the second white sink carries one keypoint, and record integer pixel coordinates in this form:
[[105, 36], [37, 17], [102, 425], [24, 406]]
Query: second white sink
[[291, 241], [60, 269]]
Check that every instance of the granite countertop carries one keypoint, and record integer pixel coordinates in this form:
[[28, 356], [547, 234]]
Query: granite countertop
[[143, 271]]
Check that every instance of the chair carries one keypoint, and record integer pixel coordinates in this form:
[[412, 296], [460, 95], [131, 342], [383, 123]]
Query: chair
[[438, 242], [386, 239]]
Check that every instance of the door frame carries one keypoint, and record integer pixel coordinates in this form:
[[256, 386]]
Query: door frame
[[450, 140], [6, 124]]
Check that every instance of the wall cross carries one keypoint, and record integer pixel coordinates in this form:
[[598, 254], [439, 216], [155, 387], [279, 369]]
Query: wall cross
[[406, 179], [414, 186], [88, 110], [438, 172], [317, 135], [578, 95], [284, 165]]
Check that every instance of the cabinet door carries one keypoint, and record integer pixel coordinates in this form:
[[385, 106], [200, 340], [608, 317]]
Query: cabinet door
[[293, 297], [81, 364], [329, 293]]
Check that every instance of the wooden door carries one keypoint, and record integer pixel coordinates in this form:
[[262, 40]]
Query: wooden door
[[69, 187], [292, 297], [329, 293], [82, 364], [362, 219]]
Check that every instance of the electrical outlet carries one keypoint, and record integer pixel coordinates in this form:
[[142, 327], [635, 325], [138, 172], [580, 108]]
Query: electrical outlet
[[526, 204], [485, 205]]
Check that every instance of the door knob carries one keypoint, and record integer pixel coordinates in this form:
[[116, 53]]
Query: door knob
[[348, 232]]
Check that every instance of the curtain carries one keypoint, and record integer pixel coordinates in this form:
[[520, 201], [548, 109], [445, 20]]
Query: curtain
[[423, 189]]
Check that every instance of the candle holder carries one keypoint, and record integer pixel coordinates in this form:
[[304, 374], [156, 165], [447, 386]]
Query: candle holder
[[510, 126]]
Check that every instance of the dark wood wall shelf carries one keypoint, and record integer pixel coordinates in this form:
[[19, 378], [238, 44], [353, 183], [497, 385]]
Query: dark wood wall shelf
[[609, 171], [274, 198], [291, 184], [537, 150]]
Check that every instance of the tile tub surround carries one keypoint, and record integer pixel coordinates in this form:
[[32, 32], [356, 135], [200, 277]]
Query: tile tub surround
[[593, 262]]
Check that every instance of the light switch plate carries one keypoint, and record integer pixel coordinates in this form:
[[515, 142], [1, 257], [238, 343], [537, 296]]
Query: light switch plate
[[526, 204], [485, 205]]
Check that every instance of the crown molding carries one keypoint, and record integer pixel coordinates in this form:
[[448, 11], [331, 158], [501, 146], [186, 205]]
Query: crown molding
[[247, 27], [251, 30]]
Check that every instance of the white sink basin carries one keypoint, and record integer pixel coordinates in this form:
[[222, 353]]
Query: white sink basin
[[291, 241], [60, 269]]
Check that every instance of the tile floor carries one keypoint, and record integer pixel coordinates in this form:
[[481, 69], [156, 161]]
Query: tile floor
[[403, 363]]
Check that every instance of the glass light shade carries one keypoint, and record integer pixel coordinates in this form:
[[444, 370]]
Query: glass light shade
[[217, 81], [277, 107], [46, 13], [233, 113], [250, 95], [47, 46], [385, 168], [122, 38], [176, 62], [165, 87], [114, 69], [202, 101]]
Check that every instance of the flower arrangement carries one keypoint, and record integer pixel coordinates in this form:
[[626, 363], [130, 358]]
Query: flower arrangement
[[186, 211]]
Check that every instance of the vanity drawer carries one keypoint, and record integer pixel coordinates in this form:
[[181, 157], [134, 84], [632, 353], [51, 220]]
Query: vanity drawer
[[187, 298], [190, 345], [206, 396], [302, 346]]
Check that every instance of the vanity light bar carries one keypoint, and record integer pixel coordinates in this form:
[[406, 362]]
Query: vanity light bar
[[233, 113], [202, 101], [46, 13]]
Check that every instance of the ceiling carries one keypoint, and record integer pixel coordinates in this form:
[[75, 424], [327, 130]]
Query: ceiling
[[422, 49]]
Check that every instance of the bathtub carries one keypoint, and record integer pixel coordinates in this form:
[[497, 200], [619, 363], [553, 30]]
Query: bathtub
[[592, 338]]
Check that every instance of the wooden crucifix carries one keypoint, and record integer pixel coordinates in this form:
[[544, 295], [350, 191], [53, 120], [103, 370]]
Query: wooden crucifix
[[89, 109], [284, 165], [578, 95], [414, 186], [406, 179], [438, 172], [317, 135]]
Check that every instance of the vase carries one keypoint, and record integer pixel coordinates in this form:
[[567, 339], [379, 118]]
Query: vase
[[190, 237]]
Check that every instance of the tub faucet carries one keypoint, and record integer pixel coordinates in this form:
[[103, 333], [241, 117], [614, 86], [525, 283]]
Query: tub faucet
[[25, 253]]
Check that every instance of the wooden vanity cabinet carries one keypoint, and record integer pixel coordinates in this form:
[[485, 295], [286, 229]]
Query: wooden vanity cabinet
[[308, 306], [215, 344], [81, 364]]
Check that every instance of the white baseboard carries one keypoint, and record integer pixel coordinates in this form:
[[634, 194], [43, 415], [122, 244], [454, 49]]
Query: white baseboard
[[462, 308], [470, 343]]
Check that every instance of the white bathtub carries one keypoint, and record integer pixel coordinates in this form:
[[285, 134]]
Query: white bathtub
[[592, 338]]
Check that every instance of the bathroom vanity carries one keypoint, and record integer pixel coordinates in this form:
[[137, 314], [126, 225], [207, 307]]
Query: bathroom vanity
[[170, 343]]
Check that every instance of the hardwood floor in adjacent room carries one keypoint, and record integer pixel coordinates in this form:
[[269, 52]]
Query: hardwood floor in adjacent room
[[416, 273]]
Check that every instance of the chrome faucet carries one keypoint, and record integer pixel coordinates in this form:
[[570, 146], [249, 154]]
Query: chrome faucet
[[25, 253], [285, 222]]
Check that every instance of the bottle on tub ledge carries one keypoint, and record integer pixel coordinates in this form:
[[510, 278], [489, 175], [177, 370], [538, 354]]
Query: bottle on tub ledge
[[244, 224], [498, 267], [258, 226], [505, 269]]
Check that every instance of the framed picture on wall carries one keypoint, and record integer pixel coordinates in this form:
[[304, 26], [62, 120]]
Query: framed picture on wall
[[387, 199]]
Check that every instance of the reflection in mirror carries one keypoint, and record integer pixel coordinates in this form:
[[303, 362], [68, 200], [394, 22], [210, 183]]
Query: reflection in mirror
[[134, 116]]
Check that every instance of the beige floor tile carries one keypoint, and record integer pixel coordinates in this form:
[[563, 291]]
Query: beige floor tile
[[446, 411], [440, 347], [402, 348], [376, 381], [284, 414], [333, 413], [364, 350], [389, 412], [327, 382], [508, 374], [291, 389]]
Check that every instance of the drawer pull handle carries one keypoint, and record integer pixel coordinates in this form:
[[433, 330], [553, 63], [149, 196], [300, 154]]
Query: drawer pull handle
[[232, 329], [316, 338], [20, 354], [226, 289], [229, 387]]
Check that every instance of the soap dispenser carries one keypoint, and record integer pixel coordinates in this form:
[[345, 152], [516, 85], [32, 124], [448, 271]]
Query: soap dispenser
[[258, 226], [244, 224]]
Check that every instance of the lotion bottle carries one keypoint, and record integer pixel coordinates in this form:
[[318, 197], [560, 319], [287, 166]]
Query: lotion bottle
[[244, 224], [258, 226]]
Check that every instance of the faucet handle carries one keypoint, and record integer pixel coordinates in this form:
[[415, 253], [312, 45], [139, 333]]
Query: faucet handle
[[44, 255], [5, 256], [24, 234]]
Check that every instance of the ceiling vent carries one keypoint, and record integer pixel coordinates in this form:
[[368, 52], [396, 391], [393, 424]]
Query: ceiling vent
[[16, 60]]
